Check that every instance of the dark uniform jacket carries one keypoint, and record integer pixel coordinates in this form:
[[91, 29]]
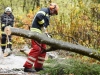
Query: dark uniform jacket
[[7, 20], [41, 19]]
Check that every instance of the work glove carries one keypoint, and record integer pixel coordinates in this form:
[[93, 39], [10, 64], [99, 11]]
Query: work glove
[[45, 29]]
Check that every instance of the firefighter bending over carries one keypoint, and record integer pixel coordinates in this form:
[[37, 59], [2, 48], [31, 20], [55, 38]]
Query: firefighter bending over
[[41, 20]]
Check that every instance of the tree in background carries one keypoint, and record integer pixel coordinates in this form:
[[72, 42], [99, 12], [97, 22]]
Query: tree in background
[[79, 22]]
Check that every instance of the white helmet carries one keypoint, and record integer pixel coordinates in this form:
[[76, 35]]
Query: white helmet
[[8, 9]]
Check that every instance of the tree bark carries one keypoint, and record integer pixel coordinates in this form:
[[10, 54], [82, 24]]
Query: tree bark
[[55, 44]]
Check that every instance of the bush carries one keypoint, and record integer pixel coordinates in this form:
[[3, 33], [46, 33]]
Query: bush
[[70, 66]]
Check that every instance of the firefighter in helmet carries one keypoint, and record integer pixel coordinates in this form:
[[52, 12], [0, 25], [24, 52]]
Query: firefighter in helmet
[[41, 20], [7, 19]]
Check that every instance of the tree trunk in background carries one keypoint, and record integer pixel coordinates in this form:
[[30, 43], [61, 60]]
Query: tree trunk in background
[[55, 44], [24, 4], [38, 3]]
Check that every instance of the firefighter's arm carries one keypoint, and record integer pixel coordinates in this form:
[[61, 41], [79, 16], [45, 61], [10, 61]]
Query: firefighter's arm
[[12, 20], [40, 18], [3, 19], [41, 21]]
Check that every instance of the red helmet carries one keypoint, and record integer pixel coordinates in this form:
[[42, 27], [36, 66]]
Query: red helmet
[[55, 7]]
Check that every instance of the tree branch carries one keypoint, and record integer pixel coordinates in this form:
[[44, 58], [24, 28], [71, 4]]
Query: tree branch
[[55, 44]]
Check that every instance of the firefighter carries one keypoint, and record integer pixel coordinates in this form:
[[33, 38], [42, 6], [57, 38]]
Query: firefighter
[[41, 20], [7, 19]]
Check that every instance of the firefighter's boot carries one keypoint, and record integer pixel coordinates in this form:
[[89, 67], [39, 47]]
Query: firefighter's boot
[[39, 69], [29, 70]]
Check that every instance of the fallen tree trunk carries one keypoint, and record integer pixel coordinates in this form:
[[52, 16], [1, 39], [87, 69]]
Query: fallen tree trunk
[[55, 44]]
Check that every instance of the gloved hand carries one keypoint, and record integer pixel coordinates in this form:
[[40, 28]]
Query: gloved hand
[[45, 29]]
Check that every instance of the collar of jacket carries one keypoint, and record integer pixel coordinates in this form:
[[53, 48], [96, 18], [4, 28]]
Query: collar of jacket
[[46, 10], [6, 13]]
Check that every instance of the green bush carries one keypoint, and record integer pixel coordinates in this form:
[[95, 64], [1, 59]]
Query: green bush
[[70, 66]]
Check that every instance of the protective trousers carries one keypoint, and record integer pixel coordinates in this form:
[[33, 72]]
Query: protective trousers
[[36, 55], [5, 43]]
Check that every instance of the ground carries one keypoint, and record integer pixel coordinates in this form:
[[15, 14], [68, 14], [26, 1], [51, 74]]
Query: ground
[[12, 65]]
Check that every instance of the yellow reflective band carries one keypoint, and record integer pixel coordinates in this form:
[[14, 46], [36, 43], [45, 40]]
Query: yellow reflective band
[[9, 43], [38, 13], [3, 44], [3, 24], [41, 12], [47, 15], [41, 22], [36, 30]]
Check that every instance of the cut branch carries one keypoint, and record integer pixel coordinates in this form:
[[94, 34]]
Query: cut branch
[[55, 44]]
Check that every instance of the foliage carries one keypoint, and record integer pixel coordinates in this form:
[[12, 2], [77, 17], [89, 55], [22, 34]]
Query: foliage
[[70, 67], [78, 21]]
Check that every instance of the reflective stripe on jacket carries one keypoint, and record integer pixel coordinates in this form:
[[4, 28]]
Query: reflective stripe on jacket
[[41, 18]]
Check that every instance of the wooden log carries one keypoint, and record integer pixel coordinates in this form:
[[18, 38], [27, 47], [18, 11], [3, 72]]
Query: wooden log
[[55, 44]]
